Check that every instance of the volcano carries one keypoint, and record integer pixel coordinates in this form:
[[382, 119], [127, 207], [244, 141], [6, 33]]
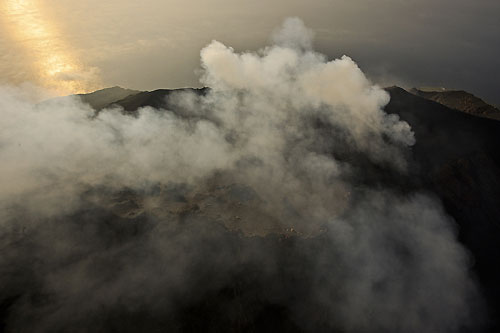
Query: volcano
[[455, 158], [214, 254]]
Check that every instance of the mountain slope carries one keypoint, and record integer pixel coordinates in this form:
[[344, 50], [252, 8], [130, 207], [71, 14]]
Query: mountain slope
[[157, 99], [460, 100], [102, 98], [457, 156]]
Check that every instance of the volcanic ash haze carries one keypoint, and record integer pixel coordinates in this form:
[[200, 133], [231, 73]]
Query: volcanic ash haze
[[285, 139]]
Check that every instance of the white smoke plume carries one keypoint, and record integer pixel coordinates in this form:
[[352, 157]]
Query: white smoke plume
[[297, 132]]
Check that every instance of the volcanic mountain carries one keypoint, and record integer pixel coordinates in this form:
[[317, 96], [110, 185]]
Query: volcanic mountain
[[456, 157], [214, 256]]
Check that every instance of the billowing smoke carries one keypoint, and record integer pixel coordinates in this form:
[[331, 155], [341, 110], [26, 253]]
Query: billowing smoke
[[271, 201]]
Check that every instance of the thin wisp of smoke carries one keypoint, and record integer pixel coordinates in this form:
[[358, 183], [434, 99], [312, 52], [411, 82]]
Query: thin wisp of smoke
[[128, 222]]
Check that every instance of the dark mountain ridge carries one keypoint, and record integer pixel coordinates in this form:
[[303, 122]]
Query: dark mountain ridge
[[158, 99], [102, 98], [460, 100]]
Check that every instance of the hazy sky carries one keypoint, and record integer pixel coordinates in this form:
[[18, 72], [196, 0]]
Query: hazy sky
[[73, 45]]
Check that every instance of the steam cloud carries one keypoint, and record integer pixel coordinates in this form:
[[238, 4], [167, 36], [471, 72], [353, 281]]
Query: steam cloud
[[285, 139]]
